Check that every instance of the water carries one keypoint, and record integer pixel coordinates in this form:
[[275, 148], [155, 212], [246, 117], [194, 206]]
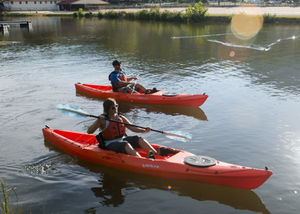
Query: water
[[251, 117]]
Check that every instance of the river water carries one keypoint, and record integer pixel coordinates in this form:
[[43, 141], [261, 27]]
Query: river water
[[251, 117]]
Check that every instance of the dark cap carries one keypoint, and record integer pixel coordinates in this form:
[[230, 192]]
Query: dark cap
[[116, 62]]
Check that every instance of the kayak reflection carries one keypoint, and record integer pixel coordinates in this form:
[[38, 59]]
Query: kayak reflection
[[115, 186], [110, 190], [191, 111]]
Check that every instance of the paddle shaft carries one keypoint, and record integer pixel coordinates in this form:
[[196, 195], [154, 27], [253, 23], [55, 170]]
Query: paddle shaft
[[159, 131]]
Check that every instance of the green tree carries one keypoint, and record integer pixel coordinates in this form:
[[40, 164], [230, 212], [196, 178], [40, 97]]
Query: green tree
[[1, 6], [196, 13]]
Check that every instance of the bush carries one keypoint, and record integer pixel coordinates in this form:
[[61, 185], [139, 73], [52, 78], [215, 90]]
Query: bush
[[79, 13], [130, 16], [154, 14], [172, 16], [268, 18], [142, 15], [111, 14], [196, 13], [88, 15], [100, 15]]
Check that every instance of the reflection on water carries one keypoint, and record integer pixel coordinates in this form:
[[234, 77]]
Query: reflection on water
[[114, 186], [127, 107], [255, 47], [110, 190]]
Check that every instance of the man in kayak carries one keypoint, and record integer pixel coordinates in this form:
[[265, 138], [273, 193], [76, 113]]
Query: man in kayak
[[113, 135], [120, 83]]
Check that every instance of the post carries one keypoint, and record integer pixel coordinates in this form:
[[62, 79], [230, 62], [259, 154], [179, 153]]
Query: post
[[4, 29], [27, 25]]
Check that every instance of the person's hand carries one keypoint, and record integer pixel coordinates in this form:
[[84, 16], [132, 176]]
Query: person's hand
[[134, 78], [148, 129]]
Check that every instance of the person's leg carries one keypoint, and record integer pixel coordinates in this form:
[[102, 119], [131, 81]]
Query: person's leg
[[122, 90], [129, 150], [122, 147], [137, 142], [139, 87], [145, 145], [130, 89]]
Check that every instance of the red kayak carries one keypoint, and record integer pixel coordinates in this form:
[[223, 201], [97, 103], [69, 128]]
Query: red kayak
[[170, 163], [159, 97]]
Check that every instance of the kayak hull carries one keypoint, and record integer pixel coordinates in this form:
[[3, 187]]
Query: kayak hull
[[159, 97], [172, 166]]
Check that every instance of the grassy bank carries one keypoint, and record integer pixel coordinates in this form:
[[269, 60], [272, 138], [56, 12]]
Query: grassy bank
[[197, 13]]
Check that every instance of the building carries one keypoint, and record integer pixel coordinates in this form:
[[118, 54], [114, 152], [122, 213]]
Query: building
[[31, 5], [52, 5], [84, 4]]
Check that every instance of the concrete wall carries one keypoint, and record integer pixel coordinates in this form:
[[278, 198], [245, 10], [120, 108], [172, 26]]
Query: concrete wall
[[40, 5]]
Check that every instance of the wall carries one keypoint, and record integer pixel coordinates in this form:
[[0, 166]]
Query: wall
[[31, 5]]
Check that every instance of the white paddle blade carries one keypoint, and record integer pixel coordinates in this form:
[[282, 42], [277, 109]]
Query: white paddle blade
[[71, 110], [179, 136]]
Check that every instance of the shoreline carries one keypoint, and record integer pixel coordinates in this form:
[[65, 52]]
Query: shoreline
[[212, 11], [214, 14]]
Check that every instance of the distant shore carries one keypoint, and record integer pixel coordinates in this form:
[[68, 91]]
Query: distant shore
[[213, 11], [278, 11], [278, 15]]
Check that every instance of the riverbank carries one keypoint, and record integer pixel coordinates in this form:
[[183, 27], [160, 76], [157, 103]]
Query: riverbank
[[224, 14], [214, 11]]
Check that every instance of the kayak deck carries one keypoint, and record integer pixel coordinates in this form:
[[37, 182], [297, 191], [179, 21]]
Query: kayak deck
[[170, 165], [159, 97]]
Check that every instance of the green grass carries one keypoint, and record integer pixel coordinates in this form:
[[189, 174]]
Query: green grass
[[4, 202]]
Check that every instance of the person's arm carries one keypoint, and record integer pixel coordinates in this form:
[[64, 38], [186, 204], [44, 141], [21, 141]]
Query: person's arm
[[132, 78], [97, 124], [116, 80], [135, 129]]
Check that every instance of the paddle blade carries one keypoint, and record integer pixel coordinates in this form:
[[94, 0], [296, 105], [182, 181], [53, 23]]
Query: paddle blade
[[71, 110], [179, 136]]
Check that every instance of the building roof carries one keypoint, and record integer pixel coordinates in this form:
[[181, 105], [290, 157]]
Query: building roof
[[84, 2], [29, 0]]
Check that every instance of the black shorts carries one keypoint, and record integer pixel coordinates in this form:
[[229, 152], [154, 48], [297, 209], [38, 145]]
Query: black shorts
[[124, 89], [120, 146]]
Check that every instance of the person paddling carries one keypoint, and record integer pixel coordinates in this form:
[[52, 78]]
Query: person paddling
[[113, 135], [120, 83]]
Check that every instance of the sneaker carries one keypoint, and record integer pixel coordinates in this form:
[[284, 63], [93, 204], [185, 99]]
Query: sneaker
[[150, 155]]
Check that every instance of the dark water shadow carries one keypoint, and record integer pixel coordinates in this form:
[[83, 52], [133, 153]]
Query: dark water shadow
[[126, 107], [115, 185]]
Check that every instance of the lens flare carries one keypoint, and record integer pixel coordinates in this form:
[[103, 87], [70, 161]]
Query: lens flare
[[246, 24], [231, 53]]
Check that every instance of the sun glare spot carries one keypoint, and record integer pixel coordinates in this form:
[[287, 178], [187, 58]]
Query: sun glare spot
[[246, 24], [232, 54]]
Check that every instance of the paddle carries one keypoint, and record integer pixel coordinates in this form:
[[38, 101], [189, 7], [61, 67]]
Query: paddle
[[77, 112]]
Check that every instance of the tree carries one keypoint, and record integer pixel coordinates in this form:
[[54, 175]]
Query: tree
[[1, 6]]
